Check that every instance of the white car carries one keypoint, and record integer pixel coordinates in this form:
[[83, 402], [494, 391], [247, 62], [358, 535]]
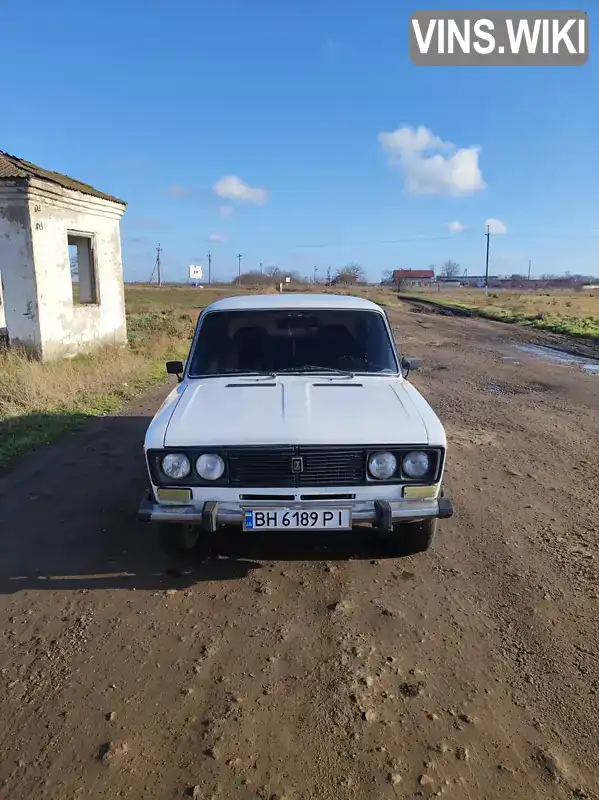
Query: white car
[[293, 412]]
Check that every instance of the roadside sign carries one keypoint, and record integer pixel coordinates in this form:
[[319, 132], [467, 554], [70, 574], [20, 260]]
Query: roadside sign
[[195, 272]]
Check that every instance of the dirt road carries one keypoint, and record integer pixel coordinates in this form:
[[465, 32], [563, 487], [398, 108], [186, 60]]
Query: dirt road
[[320, 670]]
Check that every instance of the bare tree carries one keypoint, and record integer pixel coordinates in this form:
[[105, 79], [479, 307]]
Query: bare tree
[[450, 269], [274, 273], [350, 274]]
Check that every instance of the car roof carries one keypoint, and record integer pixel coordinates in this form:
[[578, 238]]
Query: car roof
[[293, 300]]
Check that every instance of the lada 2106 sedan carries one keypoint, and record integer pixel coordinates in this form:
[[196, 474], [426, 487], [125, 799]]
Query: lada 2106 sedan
[[293, 412]]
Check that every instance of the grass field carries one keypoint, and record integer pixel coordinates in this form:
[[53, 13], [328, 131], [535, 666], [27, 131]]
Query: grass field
[[40, 401], [142, 298], [575, 313]]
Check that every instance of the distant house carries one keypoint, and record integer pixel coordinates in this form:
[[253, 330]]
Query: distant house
[[413, 277]]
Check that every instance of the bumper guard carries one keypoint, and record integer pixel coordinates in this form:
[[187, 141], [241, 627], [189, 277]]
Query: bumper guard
[[381, 514]]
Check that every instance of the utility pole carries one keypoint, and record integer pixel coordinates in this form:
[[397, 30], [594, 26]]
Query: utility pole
[[315, 271], [328, 276], [488, 235], [261, 269], [157, 267], [239, 257], [209, 264], [529, 263]]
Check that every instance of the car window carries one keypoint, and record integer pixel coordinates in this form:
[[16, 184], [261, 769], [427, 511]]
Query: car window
[[273, 340]]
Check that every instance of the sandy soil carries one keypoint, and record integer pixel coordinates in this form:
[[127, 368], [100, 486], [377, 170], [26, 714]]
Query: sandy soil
[[318, 669]]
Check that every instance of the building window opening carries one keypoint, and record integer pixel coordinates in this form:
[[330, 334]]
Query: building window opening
[[83, 269]]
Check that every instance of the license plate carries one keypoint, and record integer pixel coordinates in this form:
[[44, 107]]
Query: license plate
[[294, 519]]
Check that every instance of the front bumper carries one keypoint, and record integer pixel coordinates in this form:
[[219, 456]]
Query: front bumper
[[378, 513]]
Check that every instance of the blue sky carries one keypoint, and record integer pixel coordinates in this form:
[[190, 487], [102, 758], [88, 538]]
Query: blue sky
[[280, 107]]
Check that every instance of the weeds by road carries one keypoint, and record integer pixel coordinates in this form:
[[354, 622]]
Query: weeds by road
[[575, 314], [41, 400]]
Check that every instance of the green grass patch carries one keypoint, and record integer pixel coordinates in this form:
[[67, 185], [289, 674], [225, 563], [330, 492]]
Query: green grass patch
[[19, 435], [550, 320]]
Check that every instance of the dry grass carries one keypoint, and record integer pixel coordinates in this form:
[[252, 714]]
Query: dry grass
[[40, 400], [142, 298]]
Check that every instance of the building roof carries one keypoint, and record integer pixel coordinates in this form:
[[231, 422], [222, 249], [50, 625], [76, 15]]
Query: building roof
[[13, 168], [414, 273], [292, 300]]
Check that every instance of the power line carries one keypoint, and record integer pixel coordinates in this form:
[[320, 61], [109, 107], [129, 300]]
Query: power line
[[453, 237], [378, 241]]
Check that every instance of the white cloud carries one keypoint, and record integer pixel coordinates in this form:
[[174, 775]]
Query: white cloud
[[215, 236], [456, 227], [233, 187], [452, 171], [225, 211], [496, 226]]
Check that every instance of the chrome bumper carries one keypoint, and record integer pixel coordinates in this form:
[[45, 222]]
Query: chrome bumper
[[379, 513]]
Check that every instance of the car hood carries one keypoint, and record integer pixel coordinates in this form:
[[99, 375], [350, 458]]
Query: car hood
[[300, 410]]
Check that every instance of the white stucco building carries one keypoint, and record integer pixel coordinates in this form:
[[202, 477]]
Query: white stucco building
[[61, 273]]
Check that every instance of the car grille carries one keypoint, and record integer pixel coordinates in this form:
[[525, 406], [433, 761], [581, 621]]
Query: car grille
[[273, 467]]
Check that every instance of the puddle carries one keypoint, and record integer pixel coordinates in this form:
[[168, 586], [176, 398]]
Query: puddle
[[589, 366]]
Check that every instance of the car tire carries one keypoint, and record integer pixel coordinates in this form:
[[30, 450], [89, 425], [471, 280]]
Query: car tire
[[411, 538], [178, 540]]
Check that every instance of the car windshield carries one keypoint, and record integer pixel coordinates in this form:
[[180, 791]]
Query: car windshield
[[270, 341]]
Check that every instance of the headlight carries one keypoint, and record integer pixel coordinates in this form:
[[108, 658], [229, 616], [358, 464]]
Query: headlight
[[210, 466], [176, 466], [416, 464], [382, 465]]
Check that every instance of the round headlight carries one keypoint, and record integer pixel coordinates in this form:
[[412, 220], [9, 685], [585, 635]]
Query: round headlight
[[176, 466], [382, 465], [416, 464], [210, 466]]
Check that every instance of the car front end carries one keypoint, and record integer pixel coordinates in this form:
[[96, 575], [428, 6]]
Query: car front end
[[295, 487]]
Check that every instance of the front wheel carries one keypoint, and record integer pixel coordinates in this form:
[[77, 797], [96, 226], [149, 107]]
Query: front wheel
[[410, 538], [178, 539]]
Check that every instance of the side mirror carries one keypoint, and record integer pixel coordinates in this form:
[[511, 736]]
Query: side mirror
[[175, 368], [409, 364]]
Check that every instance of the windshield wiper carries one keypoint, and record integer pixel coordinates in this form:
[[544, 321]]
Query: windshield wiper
[[241, 373], [315, 368]]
